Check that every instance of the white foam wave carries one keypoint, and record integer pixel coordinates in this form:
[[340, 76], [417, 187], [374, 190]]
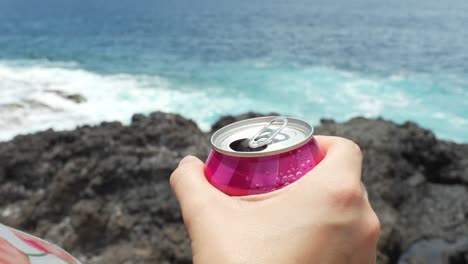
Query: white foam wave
[[32, 98], [370, 98]]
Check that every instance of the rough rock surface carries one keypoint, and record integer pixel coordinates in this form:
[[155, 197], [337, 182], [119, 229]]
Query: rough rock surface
[[102, 192], [417, 184], [226, 120]]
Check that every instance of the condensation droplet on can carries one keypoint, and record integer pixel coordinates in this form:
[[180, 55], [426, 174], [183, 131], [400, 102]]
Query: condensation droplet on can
[[303, 166], [309, 163], [289, 171], [298, 174]]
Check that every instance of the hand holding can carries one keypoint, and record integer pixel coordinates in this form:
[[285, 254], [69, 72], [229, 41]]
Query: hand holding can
[[324, 217]]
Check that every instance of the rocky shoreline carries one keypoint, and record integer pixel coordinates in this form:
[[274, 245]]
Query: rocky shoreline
[[102, 192]]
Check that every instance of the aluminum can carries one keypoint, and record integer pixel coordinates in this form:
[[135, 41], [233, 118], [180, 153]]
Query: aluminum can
[[261, 155]]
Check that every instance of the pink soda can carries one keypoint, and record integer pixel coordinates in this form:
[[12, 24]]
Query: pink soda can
[[260, 155]]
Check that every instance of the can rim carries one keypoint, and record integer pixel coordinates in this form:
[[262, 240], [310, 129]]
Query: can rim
[[259, 153]]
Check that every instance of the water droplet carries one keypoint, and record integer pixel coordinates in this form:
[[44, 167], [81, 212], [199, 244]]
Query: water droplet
[[285, 178], [257, 185], [303, 166], [309, 163], [298, 174], [299, 151], [286, 183], [281, 174], [289, 171]]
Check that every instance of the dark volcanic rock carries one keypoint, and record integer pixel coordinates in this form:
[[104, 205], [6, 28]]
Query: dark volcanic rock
[[102, 192], [97, 189], [437, 251], [76, 98], [226, 120]]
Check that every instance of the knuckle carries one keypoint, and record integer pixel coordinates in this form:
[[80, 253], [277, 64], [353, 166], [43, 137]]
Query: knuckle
[[346, 196], [179, 173], [353, 146], [372, 227], [172, 180], [175, 178]]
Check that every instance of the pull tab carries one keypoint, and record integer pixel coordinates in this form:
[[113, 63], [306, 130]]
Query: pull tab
[[256, 143]]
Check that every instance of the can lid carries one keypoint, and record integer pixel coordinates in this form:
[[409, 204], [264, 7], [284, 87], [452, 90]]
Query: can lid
[[236, 139]]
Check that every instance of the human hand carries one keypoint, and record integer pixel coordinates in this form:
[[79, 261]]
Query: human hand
[[324, 217]]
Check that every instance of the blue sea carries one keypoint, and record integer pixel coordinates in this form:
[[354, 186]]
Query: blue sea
[[400, 60]]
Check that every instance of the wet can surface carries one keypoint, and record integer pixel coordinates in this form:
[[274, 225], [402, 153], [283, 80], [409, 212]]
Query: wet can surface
[[261, 155]]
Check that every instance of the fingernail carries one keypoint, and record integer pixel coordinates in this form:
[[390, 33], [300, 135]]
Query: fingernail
[[186, 159]]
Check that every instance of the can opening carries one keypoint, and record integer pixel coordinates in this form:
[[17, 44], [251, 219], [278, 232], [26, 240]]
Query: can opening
[[242, 145]]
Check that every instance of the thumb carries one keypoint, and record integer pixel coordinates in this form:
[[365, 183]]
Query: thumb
[[189, 184]]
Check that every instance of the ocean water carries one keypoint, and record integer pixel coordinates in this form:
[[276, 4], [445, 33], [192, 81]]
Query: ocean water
[[400, 60]]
